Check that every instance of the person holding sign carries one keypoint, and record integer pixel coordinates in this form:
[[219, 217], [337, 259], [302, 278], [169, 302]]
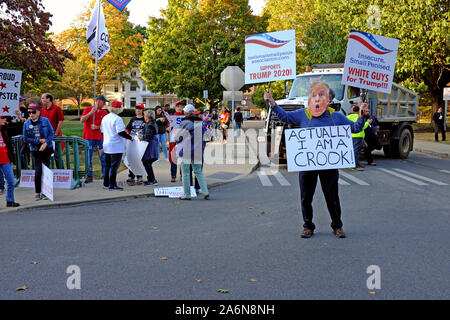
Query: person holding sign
[[38, 133], [150, 134], [6, 161], [438, 118], [318, 114]]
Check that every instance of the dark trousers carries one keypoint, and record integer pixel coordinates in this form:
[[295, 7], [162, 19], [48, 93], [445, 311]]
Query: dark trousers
[[40, 157], [131, 175], [173, 170], [112, 164], [438, 128], [329, 182], [149, 169]]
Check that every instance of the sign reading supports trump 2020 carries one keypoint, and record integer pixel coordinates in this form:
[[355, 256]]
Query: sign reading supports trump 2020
[[270, 57], [370, 61], [319, 148]]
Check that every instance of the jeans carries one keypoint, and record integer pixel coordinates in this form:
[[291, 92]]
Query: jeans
[[112, 164], [99, 145], [162, 138], [2, 180], [197, 167], [329, 182], [7, 171], [40, 157], [149, 169], [357, 146], [238, 128]]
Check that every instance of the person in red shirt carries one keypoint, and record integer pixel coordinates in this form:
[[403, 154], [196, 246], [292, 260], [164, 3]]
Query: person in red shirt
[[6, 160], [92, 118], [224, 118], [56, 117]]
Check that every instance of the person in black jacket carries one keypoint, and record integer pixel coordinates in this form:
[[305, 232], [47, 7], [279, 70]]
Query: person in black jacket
[[151, 154], [6, 161], [238, 119], [438, 118], [134, 129]]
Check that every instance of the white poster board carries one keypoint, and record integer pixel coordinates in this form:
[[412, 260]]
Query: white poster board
[[62, 178], [47, 182], [173, 192], [174, 124], [319, 148], [133, 157], [270, 57], [10, 81], [370, 61]]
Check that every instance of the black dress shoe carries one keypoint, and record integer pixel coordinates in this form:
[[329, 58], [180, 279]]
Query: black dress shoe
[[12, 204], [116, 188]]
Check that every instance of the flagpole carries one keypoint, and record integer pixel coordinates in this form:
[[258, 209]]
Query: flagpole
[[96, 54]]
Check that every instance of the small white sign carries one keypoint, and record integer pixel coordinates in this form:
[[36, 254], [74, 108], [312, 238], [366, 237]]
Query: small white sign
[[173, 192], [47, 182], [270, 57], [174, 124], [133, 157], [62, 178], [446, 94], [370, 61], [10, 81], [319, 148]]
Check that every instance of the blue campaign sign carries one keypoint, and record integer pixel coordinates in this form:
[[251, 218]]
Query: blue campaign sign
[[119, 4]]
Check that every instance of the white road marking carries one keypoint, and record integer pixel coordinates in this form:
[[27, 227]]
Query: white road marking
[[281, 179], [393, 173], [265, 181], [343, 182], [421, 177], [445, 171], [352, 178]]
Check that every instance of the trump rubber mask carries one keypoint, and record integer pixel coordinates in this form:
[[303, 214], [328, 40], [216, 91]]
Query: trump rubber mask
[[318, 98]]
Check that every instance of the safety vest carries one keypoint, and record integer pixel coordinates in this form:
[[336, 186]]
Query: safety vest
[[354, 117]]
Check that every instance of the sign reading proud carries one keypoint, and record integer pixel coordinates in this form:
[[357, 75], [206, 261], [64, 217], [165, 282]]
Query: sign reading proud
[[370, 61], [319, 148], [9, 91]]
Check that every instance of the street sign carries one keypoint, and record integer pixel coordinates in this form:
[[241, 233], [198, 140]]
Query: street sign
[[9, 91], [243, 103], [205, 94], [446, 93], [228, 95], [232, 78]]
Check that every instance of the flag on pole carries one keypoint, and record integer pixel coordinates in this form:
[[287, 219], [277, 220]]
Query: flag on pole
[[103, 46], [119, 4]]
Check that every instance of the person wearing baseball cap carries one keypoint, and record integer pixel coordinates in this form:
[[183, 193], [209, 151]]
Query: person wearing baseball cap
[[92, 118], [38, 133], [6, 163], [135, 128], [114, 135]]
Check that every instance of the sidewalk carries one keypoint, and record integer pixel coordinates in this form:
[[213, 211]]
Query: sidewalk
[[432, 148], [216, 174]]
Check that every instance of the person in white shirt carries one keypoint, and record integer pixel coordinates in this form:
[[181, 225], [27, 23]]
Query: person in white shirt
[[114, 135]]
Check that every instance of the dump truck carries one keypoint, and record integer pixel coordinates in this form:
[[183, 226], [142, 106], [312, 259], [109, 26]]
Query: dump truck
[[395, 112]]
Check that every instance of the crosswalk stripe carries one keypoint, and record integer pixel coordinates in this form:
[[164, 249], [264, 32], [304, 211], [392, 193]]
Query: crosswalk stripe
[[343, 182], [265, 181], [445, 171], [352, 178], [393, 173], [281, 179], [421, 177]]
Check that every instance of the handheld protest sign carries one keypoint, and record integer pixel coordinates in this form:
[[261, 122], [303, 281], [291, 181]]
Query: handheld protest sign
[[370, 61], [10, 81], [319, 148], [270, 57]]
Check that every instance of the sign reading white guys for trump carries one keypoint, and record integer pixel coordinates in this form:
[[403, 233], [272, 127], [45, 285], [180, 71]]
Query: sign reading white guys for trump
[[9, 91], [270, 57], [370, 61], [319, 148]]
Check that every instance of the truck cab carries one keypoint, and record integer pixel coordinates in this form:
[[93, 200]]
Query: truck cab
[[395, 111]]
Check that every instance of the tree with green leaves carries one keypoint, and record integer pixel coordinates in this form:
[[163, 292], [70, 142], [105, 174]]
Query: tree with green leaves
[[193, 41]]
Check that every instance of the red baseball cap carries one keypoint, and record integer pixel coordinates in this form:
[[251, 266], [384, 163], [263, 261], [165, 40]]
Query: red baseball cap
[[197, 112], [34, 106], [116, 104], [140, 106], [179, 102]]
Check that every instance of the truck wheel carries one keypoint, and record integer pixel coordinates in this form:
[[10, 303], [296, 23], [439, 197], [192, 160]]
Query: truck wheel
[[404, 144]]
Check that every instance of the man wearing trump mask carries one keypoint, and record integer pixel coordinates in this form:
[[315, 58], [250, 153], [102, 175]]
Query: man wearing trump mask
[[317, 114]]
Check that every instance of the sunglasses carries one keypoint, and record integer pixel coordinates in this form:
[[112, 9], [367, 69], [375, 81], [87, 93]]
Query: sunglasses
[[2, 117], [32, 111]]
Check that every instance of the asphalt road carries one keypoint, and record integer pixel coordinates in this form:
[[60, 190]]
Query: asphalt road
[[246, 240]]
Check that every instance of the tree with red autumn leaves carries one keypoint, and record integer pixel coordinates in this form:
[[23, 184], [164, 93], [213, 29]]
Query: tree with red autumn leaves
[[24, 44]]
